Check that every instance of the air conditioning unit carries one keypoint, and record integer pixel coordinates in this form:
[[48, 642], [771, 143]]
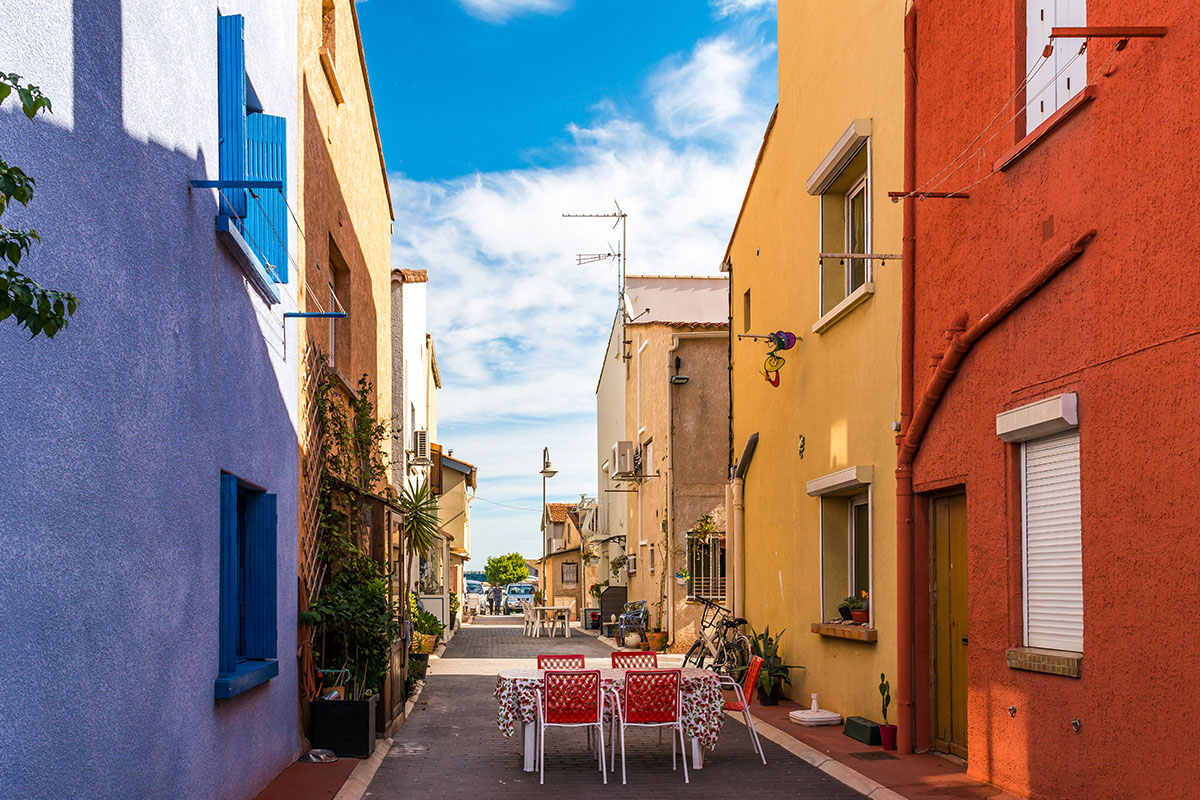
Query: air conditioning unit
[[631, 565], [621, 462], [420, 451]]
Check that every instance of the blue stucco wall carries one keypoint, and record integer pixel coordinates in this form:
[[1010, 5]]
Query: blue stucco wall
[[112, 436]]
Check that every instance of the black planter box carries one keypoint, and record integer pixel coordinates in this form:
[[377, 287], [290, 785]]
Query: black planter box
[[347, 727], [863, 730]]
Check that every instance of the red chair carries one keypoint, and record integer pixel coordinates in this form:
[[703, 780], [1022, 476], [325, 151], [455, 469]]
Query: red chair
[[646, 659], [744, 694], [651, 699], [569, 699], [560, 662]]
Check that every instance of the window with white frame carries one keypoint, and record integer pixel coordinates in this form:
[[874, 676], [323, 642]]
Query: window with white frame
[[1062, 75], [1052, 542], [845, 228], [706, 567], [845, 550]]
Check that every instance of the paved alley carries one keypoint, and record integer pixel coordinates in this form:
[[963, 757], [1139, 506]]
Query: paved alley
[[451, 747]]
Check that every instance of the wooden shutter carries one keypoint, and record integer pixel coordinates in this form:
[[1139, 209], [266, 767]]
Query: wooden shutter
[[266, 215], [1069, 14], [261, 535], [231, 112], [228, 625], [1045, 93], [1053, 562]]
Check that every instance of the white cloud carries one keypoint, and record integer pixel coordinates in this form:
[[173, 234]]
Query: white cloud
[[500, 11], [726, 8], [520, 329]]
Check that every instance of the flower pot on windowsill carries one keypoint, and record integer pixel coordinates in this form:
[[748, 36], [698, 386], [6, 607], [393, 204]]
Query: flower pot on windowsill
[[887, 736], [845, 612], [860, 615]]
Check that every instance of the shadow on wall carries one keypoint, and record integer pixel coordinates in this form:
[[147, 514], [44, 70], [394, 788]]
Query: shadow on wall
[[114, 435]]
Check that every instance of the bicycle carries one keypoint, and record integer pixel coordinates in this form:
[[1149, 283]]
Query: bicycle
[[725, 649]]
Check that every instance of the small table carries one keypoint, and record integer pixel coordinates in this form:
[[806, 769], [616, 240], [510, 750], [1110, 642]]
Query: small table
[[703, 707], [546, 613]]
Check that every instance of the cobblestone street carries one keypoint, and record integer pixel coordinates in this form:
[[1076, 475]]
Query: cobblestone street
[[451, 747]]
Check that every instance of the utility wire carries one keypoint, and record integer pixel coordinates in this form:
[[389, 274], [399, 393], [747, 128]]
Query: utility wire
[[506, 505]]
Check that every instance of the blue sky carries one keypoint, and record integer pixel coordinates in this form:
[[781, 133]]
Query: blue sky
[[499, 115]]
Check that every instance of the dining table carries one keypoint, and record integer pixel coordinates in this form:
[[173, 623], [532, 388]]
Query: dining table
[[703, 707], [546, 615]]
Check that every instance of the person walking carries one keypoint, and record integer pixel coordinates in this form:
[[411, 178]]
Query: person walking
[[497, 595]]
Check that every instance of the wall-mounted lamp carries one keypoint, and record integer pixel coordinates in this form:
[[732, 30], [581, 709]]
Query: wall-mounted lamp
[[679, 380]]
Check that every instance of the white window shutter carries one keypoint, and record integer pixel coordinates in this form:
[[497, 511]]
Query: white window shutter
[[1053, 562], [1040, 97], [1069, 14]]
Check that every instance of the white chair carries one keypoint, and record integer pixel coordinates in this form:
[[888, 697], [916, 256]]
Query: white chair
[[570, 699]]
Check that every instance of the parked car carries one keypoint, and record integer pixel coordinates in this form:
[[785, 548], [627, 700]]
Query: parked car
[[517, 592]]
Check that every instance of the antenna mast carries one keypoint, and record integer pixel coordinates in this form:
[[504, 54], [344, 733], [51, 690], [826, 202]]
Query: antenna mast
[[619, 256]]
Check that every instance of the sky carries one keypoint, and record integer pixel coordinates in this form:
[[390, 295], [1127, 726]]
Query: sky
[[499, 116]]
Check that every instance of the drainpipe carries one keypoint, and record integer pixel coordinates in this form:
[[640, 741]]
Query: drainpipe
[[904, 536], [737, 534]]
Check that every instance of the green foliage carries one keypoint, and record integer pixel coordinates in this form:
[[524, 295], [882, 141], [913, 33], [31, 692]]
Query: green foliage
[[416, 671], [36, 308], [426, 623], [853, 603], [618, 564], [420, 518], [885, 691], [598, 588], [705, 526], [773, 671], [503, 570], [455, 605]]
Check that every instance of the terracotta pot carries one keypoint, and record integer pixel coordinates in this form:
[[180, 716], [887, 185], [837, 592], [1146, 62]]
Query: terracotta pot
[[657, 640], [860, 615], [887, 736]]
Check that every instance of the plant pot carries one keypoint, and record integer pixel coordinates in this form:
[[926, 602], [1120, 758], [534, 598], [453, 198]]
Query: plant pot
[[347, 727], [860, 615], [681, 581], [424, 657], [657, 640], [845, 612], [423, 643], [770, 698], [887, 736]]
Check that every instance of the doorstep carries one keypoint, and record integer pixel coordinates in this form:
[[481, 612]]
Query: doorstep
[[921, 776]]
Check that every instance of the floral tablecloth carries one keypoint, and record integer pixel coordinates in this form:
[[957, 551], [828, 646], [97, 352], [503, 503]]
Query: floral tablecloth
[[703, 704]]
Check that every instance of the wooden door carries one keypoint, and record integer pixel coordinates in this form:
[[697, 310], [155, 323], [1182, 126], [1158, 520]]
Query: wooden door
[[949, 519]]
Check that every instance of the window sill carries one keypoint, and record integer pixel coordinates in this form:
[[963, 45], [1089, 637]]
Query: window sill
[[1085, 96], [245, 676], [331, 75], [857, 633], [1067, 663], [251, 267], [852, 301]]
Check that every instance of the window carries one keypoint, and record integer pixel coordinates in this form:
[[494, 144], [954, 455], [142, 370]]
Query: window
[[845, 228], [631, 564], [847, 546], [247, 625], [706, 566], [329, 28], [1051, 542], [651, 549], [746, 312], [253, 147], [339, 328], [1064, 74], [431, 570], [570, 572]]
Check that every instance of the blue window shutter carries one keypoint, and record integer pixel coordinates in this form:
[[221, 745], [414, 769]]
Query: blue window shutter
[[266, 212], [231, 111], [260, 577], [229, 573]]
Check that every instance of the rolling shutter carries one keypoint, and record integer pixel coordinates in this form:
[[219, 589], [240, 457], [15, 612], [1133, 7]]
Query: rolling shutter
[[1052, 526], [266, 216]]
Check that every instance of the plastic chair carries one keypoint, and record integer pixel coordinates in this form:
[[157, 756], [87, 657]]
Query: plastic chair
[[634, 616], [645, 659], [651, 699], [744, 693], [560, 662], [530, 619], [569, 699]]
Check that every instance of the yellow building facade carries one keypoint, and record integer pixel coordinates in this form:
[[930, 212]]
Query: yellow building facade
[[813, 511]]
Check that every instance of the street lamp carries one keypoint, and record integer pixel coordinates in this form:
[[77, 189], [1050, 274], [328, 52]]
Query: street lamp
[[547, 472]]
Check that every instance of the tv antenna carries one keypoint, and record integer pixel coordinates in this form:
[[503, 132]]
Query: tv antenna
[[619, 217]]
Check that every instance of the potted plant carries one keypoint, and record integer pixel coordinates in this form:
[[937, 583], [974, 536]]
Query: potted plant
[[428, 629], [618, 564], [682, 577], [845, 607], [860, 607], [887, 733], [657, 639], [454, 607], [774, 672]]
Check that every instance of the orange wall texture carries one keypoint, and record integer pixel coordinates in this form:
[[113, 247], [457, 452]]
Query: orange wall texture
[[1117, 327]]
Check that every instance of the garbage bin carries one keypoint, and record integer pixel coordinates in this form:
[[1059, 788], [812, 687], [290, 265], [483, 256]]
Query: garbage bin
[[591, 618]]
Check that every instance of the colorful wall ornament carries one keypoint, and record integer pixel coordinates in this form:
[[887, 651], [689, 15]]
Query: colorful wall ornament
[[780, 340]]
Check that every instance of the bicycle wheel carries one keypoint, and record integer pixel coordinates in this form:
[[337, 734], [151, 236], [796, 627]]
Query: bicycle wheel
[[737, 655], [696, 655]]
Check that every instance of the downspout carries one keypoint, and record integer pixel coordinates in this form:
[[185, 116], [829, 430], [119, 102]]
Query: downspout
[[904, 534], [736, 518], [910, 443]]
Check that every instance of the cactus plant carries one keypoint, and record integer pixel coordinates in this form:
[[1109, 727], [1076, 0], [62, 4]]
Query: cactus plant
[[885, 691]]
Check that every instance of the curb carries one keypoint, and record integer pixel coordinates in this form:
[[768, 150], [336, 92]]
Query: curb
[[830, 766], [356, 785]]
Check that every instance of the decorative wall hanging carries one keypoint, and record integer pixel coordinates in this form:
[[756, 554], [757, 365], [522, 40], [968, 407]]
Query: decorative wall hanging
[[780, 340]]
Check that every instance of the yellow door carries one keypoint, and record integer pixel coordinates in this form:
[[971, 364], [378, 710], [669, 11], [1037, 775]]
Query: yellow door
[[949, 517]]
